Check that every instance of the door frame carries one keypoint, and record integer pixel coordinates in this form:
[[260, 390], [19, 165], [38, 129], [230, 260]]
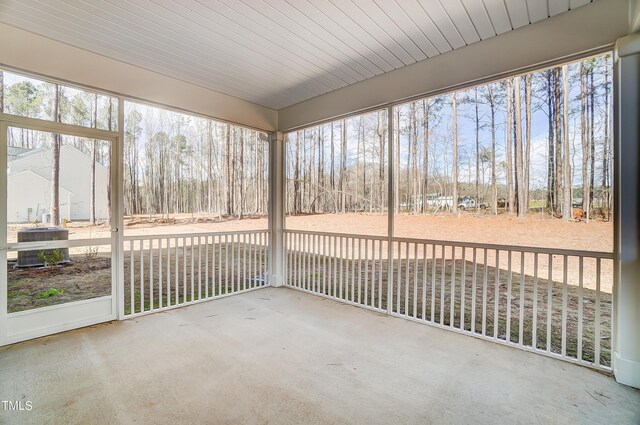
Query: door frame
[[20, 326]]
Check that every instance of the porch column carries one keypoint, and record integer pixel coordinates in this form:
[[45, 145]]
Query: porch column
[[626, 291], [276, 208]]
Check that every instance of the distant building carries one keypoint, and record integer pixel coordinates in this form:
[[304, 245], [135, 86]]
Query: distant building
[[29, 185]]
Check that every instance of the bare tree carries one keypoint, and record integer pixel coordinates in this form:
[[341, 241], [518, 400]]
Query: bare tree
[[454, 111], [566, 165], [518, 147], [510, 193], [55, 163]]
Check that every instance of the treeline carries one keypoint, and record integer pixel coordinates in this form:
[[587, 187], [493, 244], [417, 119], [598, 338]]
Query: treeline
[[545, 134], [175, 163]]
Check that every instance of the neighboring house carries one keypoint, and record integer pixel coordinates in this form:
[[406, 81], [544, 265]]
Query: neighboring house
[[29, 186]]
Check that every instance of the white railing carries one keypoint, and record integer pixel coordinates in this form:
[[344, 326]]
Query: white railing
[[167, 271], [494, 292]]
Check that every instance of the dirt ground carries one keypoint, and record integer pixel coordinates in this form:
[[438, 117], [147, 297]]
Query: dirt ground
[[504, 229]]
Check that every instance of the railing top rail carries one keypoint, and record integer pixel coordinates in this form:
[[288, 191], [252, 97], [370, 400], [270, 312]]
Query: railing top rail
[[497, 247], [340, 235], [192, 235]]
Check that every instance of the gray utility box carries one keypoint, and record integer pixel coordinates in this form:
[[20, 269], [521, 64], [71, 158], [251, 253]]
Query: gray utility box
[[31, 258]]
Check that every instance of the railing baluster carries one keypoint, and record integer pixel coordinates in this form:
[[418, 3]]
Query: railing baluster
[[463, 282], [549, 302], [521, 318], [453, 287], [366, 271], [160, 273], [192, 255], [341, 267], [151, 300], [372, 302], [399, 246], [132, 290], [509, 290], [415, 280], [580, 287], [206, 267], [485, 283], [175, 243], [219, 248], [380, 275], [442, 284], [433, 282], [424, 282], [473, 291], [353, 269], [534, 325], [597, 340], [496, 297], [142, 309], [168, 272], [226, 264], [184, 270], [564, 304]]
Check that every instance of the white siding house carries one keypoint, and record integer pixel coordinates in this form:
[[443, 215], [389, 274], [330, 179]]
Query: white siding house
[[29, 186]]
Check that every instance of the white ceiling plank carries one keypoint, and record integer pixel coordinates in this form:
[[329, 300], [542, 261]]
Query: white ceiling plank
[[274, 52], [381, 17], [267, 52], [36, 24], [436, 12], [362, 19], [325, 38], [458, 15], [294, 29], [168, 45], [480, 18], [414, 32], [341, 34], [518, 13], [352, 28], [499, 16], [239, 48], [276, 34], [537, 10], [558, 6]]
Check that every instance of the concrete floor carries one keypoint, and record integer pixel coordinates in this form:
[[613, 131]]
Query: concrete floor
[[281, 356]]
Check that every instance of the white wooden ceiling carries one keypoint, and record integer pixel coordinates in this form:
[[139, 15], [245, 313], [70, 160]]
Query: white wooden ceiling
[[274, 52]]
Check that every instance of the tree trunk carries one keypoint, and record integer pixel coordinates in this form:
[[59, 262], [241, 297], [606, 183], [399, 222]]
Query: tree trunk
[[551, 156], [560, 138], [494, 185], [510, 194], [527, 160], [584, 141], [454, 109], [55, 163], [518, 150], [414, 160], [425, 158], [567, 212], [475, 92]]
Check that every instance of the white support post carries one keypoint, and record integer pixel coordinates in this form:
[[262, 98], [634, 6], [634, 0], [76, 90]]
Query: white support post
[[626, 291], [276, 209], [391, 208], [117, 211]]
